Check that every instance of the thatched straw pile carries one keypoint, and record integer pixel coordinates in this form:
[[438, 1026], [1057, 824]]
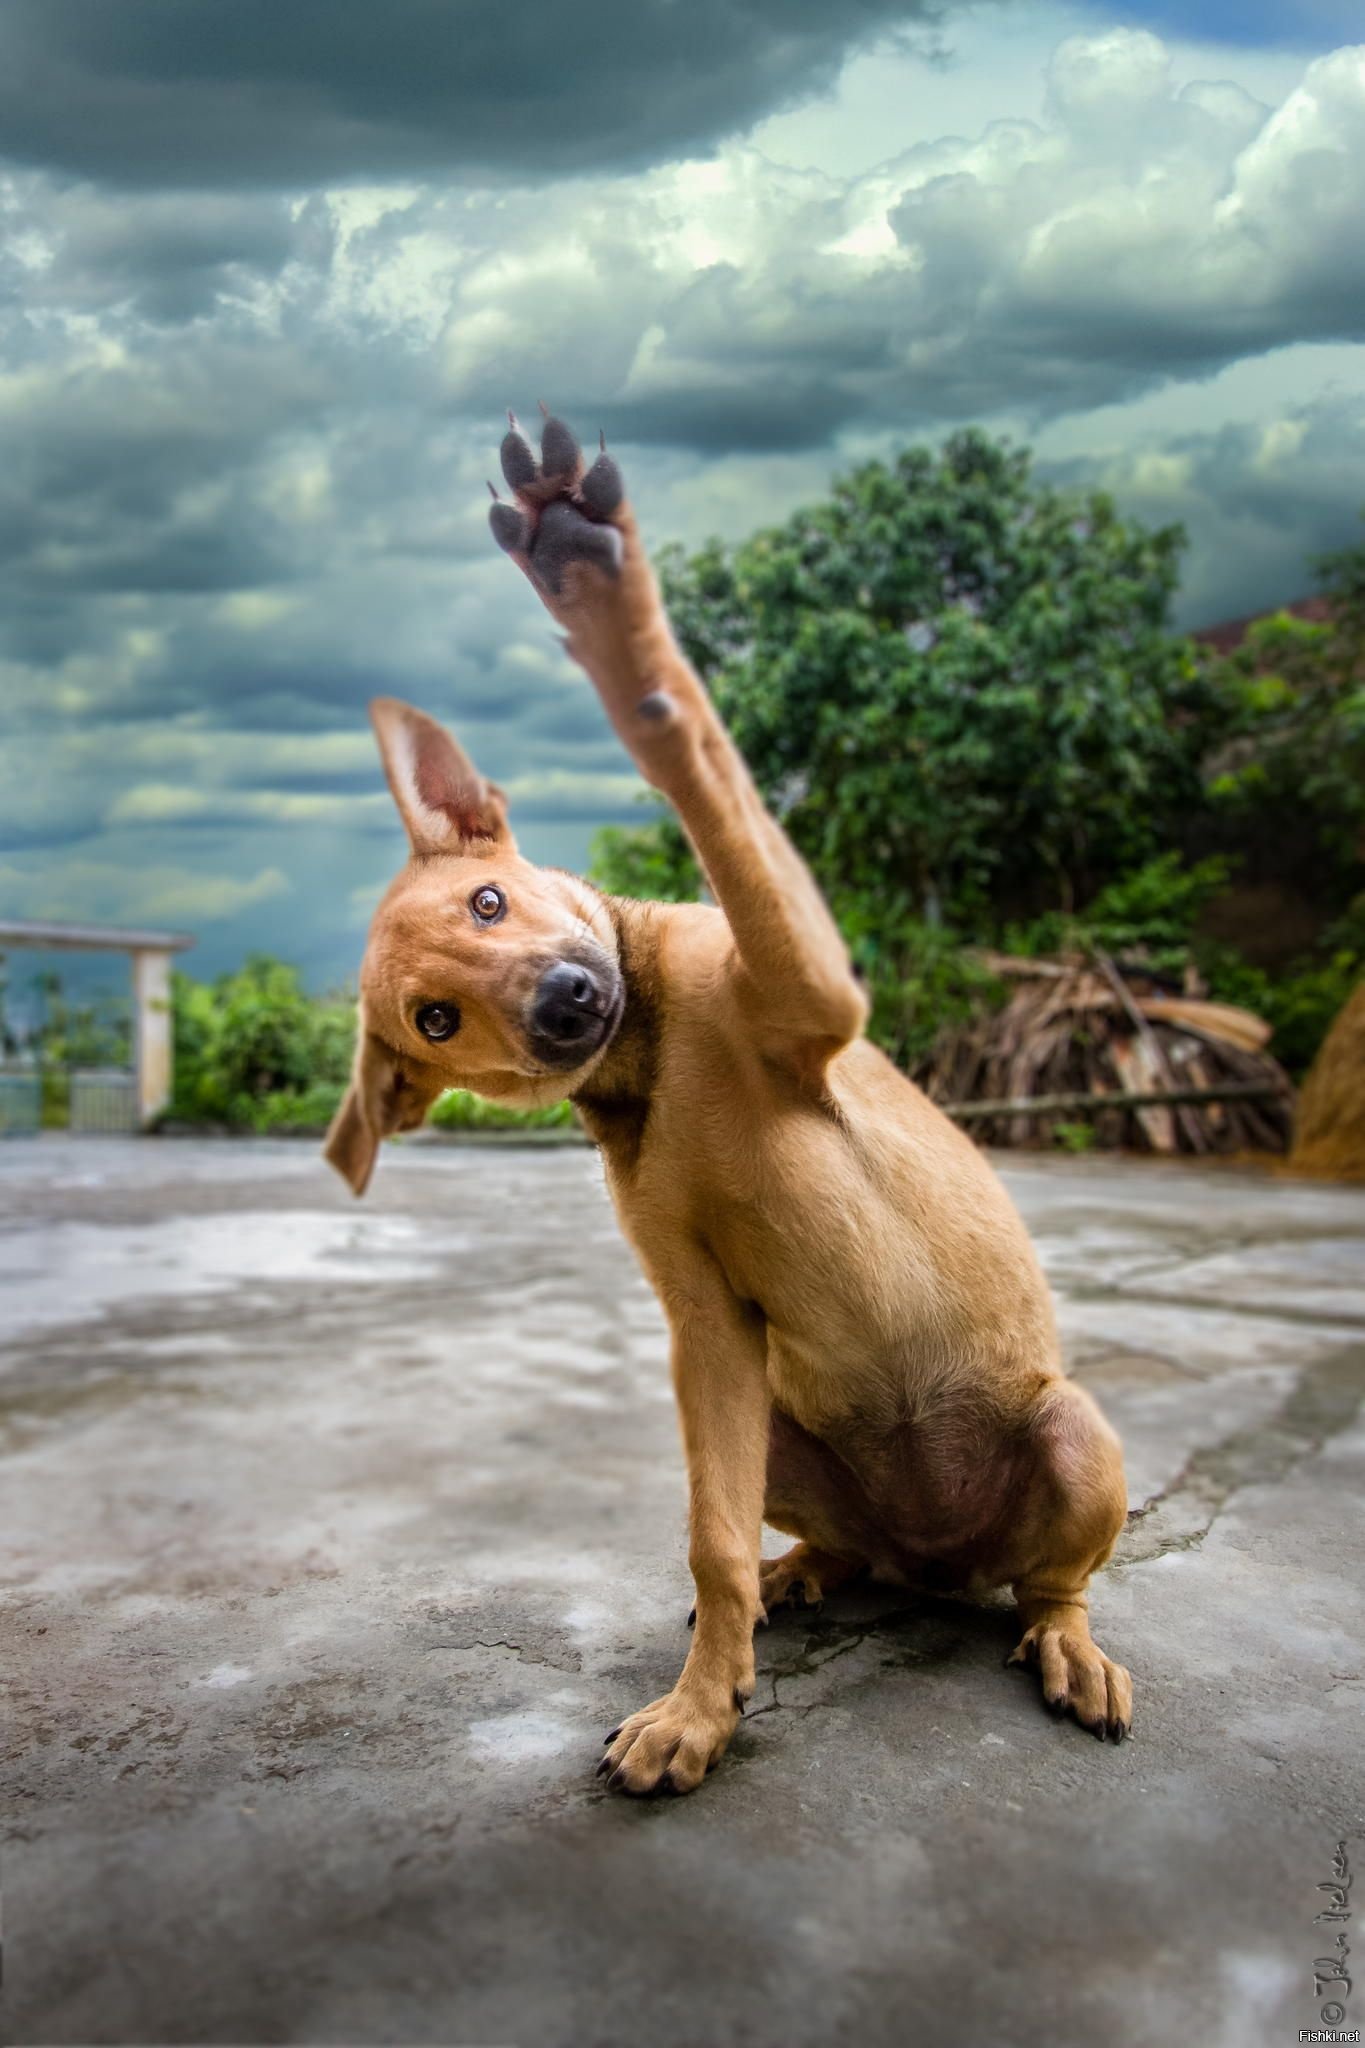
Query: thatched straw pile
[[1091, 1041], [1329, 1132]]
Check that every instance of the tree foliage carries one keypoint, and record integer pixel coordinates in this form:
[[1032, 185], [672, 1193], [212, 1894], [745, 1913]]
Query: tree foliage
[[959, 690], [955, 685], [1286, 777]]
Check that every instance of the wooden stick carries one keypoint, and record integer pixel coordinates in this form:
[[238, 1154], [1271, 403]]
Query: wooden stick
[[1189, 1124], [1051, 1105]]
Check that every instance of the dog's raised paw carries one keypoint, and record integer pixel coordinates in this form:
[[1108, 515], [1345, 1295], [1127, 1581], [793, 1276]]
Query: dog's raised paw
[[562, 516]]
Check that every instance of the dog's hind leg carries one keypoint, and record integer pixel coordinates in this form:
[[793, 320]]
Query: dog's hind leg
[[802, 1576], [812, 1494], [1077, 1512]]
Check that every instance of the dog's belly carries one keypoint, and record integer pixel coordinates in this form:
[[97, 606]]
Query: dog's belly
[[932, 1503]]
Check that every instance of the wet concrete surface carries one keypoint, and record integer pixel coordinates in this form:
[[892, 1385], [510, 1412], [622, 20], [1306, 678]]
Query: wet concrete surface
[[336, 1536]]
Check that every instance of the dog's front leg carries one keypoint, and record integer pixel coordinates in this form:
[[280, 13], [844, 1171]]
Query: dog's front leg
[[576, 538], [719, 1375]]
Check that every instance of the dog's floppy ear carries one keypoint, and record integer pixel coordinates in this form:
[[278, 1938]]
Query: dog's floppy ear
[[446, 804], [386, 1094]]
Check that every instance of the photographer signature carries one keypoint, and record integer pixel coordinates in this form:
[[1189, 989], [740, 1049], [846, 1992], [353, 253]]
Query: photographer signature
[[1331, 1978]]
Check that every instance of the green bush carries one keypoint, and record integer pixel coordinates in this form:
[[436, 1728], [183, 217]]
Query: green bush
[[254, 1051], [919, 980], [652, 863], [461, 1110], [1299, 1006], [1154, 910]]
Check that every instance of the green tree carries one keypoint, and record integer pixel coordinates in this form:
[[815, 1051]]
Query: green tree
[[1287, 780], [955, 685]]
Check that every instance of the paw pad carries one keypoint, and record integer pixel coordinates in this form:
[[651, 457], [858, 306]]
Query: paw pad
[[563, 515]]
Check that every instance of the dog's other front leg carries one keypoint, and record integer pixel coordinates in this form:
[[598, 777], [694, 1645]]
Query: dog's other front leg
[[719, 1375]]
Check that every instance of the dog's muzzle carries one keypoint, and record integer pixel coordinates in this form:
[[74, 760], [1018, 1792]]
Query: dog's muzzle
[[575, 1010]]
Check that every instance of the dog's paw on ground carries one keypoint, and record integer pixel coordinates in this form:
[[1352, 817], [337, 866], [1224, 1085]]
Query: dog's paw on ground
[[670, 1745], [1079, 1678], [563, 514], [802, 1577], [790, 1581]]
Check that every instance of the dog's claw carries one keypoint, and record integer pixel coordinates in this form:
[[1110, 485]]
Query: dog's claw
[[559, 451], [508, 526], [517, 456], [602, 488]]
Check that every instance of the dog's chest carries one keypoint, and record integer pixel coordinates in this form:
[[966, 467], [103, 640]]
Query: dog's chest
[[798, 1227]]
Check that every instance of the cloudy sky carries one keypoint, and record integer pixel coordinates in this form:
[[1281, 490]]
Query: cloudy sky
[[269, 274]]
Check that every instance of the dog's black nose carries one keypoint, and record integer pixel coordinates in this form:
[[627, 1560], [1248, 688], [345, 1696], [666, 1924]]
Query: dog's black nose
[[569, 1005]]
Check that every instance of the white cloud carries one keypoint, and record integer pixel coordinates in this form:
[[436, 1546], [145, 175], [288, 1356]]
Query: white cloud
[[77, 889], [165, 803], [219, 537], [1139, 229]]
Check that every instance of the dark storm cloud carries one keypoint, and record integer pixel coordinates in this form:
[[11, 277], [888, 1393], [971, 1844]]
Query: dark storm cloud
[[132, 473], [167, 258], [245, 435], [240, 92]]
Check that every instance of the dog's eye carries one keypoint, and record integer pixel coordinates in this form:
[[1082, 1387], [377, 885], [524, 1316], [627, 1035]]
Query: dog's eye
[[488, 904], [437, 1021]]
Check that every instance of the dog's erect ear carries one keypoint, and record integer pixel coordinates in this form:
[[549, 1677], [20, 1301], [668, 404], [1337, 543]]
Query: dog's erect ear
[[446, 804], [386, 1094]]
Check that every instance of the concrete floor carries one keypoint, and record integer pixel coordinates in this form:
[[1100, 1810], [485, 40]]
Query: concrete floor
[[336, 1536]]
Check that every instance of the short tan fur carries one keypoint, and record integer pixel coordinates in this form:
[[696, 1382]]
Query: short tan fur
[[863, 1346]]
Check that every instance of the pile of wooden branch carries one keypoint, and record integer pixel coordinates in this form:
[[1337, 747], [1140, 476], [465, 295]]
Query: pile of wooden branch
[[1107, 1046]]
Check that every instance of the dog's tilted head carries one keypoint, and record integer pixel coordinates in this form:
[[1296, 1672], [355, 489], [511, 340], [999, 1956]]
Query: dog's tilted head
[[482, 971]]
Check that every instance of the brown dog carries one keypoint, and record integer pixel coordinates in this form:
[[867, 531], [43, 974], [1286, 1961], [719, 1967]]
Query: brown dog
[[863, 1347]]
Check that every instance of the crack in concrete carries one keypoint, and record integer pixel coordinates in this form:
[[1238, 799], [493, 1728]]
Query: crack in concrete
[[1330, 1319], [805, 1667], [1322, 1402], [518, 1650], [917, 1635]]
